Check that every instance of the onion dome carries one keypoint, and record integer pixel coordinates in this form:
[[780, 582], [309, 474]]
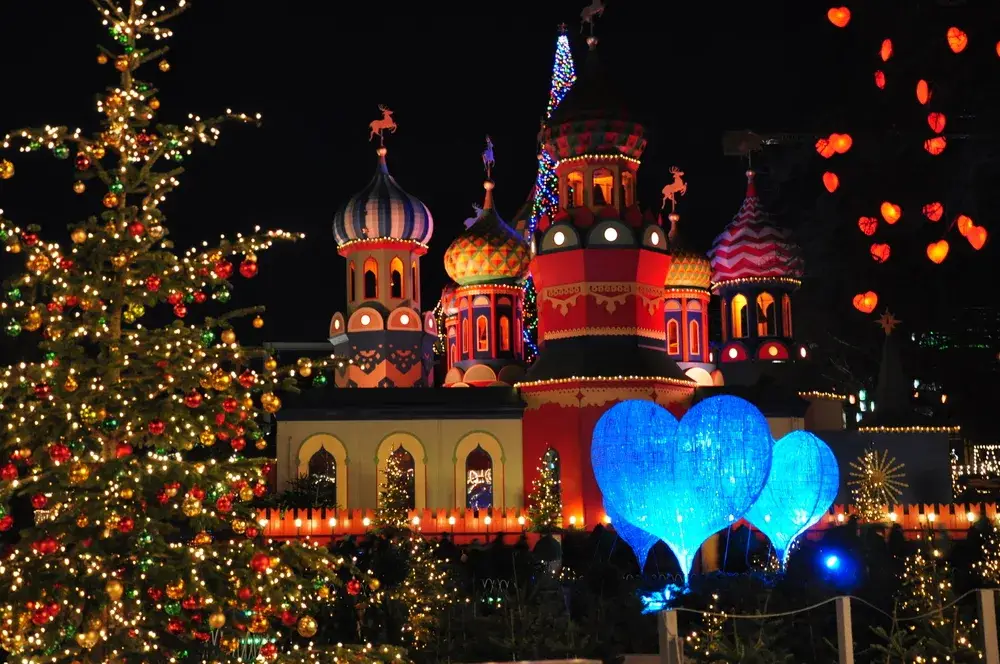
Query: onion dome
[[688, 268], [593, 118], [752, 247], [489, 251], [382, 210]]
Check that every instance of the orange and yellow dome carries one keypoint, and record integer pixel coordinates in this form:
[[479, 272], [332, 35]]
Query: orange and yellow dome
[[689, 269], [489, 251]]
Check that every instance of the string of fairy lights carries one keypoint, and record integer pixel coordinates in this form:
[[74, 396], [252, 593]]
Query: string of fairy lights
[[128, 438], [546, 183]]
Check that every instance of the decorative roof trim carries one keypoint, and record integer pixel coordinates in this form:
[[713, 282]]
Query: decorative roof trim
[[556, 382], [726, 283], [381, 243]]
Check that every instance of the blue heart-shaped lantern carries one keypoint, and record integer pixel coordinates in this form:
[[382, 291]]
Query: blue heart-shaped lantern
[[638, 539], [803, 483]]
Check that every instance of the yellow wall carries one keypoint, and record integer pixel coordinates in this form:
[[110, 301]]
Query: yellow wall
[[439, 448], [782, 425]]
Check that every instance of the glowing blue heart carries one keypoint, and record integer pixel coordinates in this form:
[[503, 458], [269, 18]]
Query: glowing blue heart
[[638, 539], [803, 484]]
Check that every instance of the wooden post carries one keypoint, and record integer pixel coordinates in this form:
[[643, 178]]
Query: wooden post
[[671, 644], [845, 638], [988, 618]]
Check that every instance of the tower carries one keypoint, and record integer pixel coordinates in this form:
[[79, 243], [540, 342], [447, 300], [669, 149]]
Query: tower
[[685, 309], [755, 272], [599, 267], [382, 232], [483, 324]]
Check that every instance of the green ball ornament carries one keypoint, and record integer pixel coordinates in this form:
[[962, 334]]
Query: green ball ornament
[[3, 235], [110, 424], [173, 608], [34, 145], [207, 337], [116, 187], [178, 157], [50, 356], [129, 50], [223, 296], [14, 294], [189, 298], [102, 321], [13, 329], [60, 151], [253, 435], [132, 593], [319, 380]]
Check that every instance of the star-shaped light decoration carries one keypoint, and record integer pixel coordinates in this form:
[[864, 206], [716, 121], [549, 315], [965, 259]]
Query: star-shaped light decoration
[[888, 322]]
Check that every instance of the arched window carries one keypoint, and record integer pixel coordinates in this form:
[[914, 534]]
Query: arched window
[[408, 467], [574, 189], [741, 322], [694, 338], [786, 315], [351, 282], [414, 282], [454, 352], [371, 279], [396, 278], [323, 469], [673, 337], [482, 333], [767, 326], [466, 336], [603, 186], [504, 333], [628, 188], [479, 479]]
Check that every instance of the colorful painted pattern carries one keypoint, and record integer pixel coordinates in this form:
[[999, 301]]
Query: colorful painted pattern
[[689, 269], [598, 136], [753, 247], [383, 210], [489, 251]]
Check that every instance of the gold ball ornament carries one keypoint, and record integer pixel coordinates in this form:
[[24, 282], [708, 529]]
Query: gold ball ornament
[[155, 232], [102, 59], [270, 402], [270, 364], [87, 640], [217, 620], [261, 444], [79, 473], [39, 263], [205, 382], [202, 539], [127, 493], [119, 261], [323, 592], [110, 200], [175, 590], [374, 584], [114, 589], [122, 63], [79, 236], [221, 380], [239, 526], [82, 521], [113, 520], [53, 333], [154, 103], [33, 320], [98, 151], [247, 402], [6, 169], [191, 507], [70, 384], [88, 415], [164, 66], [258, 322], [79, 187], [228, 337], [304, 365], [259, 624], [206, 438], [246, 493], [14, 248], [307, 627]]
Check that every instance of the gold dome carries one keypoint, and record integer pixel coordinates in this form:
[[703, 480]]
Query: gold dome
[[689, 269]]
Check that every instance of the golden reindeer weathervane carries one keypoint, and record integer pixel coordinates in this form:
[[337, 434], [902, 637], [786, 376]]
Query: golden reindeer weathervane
[[383, 123], [675, 188]]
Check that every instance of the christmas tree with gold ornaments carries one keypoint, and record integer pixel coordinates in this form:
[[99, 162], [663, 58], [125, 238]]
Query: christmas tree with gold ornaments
[[545, 499], [125, 495]]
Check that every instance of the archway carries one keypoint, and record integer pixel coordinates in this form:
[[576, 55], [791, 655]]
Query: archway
[[411, 444], [468, 444], [335, 448]]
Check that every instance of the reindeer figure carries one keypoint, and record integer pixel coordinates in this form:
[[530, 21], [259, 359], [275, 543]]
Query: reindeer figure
[[671, 190], [488, 160], [385, 123], [590, 12]]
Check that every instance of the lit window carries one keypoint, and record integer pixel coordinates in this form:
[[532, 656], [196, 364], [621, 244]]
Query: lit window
[[365, 319], [610, 234], [466, 336], [478, 479], [603, 184], [482, 334], [371, 279], [628, 190], [504, 333], [786, 315], [654, 238], [741, 324], [673, 340], [396, 278], [321, 483], [694, 342], [351, 280], [408, 468], [415, 284], [404, 319], [574, 193], [559, 238], [766, 324]]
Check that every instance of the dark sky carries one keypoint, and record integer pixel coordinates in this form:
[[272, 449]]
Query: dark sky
[[451, 76]]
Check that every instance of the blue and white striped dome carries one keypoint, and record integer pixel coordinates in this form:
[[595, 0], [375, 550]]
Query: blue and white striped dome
[[383, 210]]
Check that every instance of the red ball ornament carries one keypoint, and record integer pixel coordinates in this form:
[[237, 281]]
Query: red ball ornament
[[122, 450], [269, 651], [238, 444], [174, 298], [59, 453], [260, 562], [197, 493], [199, 298], [6, 522], [230, 405], [244, 594], [202, 636], [66, 263], [72, 300], [153, 283], [353, 587], [223, 269], [155, 594], [180, 310], [224, 504], [192, 399], [288, 618], [162, 497], [250, 532], [82, 162], [157, 427], [136, 229], [54, 308], [247, 380], [40, 616], [8, 472], [248, 269], [42, 390], [39, 501], [126, 525], [30, 239], [259, 490], [175, 626]]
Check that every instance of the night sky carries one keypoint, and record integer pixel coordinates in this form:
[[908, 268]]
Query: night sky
[[451, 76]]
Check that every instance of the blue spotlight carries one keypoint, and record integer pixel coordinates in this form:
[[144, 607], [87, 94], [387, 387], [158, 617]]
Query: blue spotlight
[[832, 562]]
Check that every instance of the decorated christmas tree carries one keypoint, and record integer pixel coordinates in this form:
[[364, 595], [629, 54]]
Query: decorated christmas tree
[[876, 482], [126, 434], [546, 184], [395, 494], [545, 499]]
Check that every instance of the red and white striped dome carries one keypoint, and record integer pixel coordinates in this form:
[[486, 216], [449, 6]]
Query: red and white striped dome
[[752, 247]]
